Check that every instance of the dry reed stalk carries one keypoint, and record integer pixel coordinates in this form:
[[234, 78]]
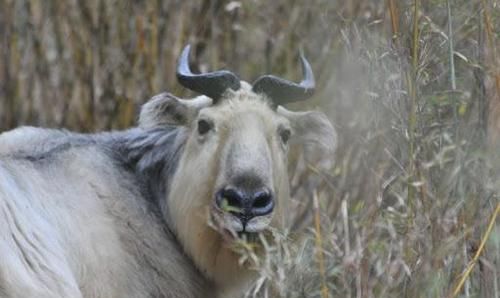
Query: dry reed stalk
[[412, 118], [494, 105], [393, 10], [474, 260], [450, 48], [319, 246], [491, 42]]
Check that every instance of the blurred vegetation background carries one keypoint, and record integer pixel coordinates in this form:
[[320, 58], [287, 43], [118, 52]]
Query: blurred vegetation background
[[412, 87]]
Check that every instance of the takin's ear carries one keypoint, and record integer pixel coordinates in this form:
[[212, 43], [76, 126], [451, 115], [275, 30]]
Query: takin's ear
[[315, 134], [166, 109]]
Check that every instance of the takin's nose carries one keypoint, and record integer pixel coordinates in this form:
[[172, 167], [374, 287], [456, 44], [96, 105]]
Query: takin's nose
[[245, 204]]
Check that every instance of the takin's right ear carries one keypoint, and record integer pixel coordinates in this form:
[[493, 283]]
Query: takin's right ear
[[166, 109]]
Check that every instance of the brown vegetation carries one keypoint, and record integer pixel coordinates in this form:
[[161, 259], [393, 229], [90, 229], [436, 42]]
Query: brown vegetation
[[416, 180]]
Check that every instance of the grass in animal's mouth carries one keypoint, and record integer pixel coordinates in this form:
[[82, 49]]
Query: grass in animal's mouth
[[249, 246], [249, 237]]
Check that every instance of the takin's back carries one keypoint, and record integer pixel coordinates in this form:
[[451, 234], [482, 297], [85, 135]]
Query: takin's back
[[75, 223]]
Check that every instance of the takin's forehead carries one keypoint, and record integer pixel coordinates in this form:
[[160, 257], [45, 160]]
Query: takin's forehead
[[237, 106]]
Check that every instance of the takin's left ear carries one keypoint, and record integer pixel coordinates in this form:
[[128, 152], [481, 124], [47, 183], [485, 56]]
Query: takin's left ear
[[315, 134], [166, 109]]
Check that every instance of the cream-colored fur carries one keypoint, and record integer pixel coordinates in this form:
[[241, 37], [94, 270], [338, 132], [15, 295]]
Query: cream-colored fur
[[246, 118], [203, 162]]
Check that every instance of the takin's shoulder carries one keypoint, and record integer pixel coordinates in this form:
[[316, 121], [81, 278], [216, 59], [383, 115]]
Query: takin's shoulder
[[72, 190], [29, 139]]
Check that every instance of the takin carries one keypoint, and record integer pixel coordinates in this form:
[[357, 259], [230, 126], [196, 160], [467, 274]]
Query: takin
[[153, 211]]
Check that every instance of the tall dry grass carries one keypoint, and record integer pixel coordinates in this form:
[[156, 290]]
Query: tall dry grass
[[407, 209]]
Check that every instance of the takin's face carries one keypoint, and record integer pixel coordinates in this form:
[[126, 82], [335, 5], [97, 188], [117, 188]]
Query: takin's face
[[238, 151], [232, 178]]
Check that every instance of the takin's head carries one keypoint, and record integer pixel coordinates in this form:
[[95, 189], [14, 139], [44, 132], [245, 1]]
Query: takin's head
[[232, 176]]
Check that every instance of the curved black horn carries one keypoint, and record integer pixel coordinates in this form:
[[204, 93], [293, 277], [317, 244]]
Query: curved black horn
[[282, 91], [212, 84]]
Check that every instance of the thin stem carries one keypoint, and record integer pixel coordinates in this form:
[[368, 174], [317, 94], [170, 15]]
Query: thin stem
[[491, 42], [412, 119], [474, 260], [319, 246], [415, 37], [394, 20], [450, 48]]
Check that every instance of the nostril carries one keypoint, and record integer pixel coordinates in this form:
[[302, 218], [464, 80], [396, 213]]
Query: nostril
[[230, 200], [263, 203], [245, 204], [262, 200]]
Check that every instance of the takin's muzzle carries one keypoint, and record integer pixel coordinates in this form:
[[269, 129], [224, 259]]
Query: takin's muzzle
[[245, 204]]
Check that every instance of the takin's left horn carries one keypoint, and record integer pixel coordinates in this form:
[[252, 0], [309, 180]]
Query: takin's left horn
[[282, 91], [211, 84]]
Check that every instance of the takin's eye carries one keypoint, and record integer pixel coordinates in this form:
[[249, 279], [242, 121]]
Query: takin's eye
[[285, 134], [204, 126]]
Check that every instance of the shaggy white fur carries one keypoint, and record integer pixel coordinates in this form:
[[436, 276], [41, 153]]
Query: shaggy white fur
[[125, 214]]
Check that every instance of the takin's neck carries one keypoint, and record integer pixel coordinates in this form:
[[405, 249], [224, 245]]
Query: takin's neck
[[154, 156]]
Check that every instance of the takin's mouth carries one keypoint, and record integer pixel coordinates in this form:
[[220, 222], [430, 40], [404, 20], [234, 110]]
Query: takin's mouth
[[233, 228], [249, 237]]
